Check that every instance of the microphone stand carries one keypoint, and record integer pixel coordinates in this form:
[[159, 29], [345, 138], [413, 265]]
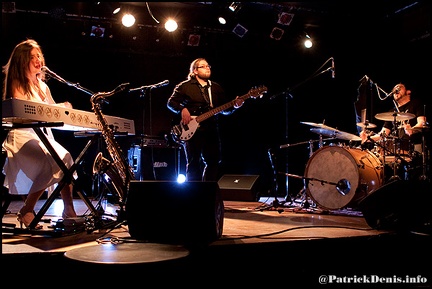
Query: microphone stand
[[76, 85], [146, 90], [287, 93]]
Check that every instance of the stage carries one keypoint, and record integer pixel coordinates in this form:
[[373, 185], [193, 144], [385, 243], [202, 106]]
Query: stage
[[269, 242]]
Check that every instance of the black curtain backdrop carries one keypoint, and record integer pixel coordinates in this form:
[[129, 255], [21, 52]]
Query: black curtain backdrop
[[380, 49]]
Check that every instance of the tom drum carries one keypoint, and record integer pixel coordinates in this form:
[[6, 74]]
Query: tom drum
[[361, 168]]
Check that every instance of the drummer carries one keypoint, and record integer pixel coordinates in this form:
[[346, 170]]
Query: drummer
[[407, 130]]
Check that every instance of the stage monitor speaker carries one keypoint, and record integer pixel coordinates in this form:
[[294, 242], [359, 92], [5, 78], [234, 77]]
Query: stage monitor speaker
[[177, 213], [239, 187], [402, 205]]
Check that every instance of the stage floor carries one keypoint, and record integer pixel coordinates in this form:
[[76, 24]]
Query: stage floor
[[268, 242]]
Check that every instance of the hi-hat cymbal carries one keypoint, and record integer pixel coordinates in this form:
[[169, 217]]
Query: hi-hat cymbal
[[366, 125], [391, 116]]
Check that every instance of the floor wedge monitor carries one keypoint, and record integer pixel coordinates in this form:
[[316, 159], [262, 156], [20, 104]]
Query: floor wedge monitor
[[402, 205], [239, 187]]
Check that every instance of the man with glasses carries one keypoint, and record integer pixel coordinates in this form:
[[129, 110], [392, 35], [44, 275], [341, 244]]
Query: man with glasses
[[190, 99]]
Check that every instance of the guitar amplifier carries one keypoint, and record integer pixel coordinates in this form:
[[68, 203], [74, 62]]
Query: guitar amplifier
[[152, 163]]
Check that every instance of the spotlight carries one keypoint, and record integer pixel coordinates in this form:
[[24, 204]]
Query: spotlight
[[128, 20], [308, 42], [171, 25], [234, 6], [117, 10], [276, 33], [97, 31], [222, 20], [181, 178], [194, 40], [285, 18], [240, 30]]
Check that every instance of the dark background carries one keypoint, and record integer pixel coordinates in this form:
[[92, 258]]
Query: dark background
[[389, 41]]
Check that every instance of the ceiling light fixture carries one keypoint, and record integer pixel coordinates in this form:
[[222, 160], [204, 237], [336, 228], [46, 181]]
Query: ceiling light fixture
[[234, 6], [128, 20], [171, 25]]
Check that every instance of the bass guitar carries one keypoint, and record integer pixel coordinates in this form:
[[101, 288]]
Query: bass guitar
[[182, 132]]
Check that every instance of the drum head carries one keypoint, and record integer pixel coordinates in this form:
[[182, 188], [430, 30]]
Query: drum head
[[331, 164]]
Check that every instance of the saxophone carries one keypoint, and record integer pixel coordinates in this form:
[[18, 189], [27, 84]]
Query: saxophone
[[118, 170]]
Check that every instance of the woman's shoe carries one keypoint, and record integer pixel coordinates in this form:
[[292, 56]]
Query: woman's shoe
[[26, 220], [68, 216]]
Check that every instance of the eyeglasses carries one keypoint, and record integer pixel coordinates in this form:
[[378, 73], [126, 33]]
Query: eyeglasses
[[205, 66]]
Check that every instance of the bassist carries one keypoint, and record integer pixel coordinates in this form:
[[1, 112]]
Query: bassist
[[194, 96]]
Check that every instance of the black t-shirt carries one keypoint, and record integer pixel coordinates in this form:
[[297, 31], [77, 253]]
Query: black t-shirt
[[414, 106]]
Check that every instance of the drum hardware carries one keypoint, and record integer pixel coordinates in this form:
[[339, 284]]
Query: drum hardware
[[310, 142], [424, 151], [392, 156], [302, 191], [343, 186]]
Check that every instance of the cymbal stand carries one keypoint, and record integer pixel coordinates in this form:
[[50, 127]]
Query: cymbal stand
[[424, 176], [395, 176], [276, 203]]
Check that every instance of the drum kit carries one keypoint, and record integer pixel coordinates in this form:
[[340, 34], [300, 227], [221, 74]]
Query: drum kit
[[341, 176]]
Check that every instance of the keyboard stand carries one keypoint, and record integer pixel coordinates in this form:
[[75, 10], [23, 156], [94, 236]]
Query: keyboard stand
[[67, 178]]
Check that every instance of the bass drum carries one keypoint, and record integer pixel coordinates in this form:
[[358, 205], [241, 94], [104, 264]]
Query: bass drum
[[362, 169]]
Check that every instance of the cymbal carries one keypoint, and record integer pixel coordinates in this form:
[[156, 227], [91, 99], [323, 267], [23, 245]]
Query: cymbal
[[391, 116], [320, 125], [336, 134], [366, 125], [323, 131]]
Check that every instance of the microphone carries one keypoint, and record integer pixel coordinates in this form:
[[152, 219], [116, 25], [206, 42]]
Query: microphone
[[343, 186], [52, 74], [157, 85], [393, 92], [160, 84], [332, 67]]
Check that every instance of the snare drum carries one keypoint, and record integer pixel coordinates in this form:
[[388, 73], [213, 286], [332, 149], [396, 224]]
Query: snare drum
[[389, 148], [361, 168]]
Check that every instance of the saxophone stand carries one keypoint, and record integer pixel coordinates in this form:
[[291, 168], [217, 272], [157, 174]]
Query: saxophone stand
[[116, 173]]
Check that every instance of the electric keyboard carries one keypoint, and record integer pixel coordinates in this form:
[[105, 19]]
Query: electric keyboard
[[18, 111]]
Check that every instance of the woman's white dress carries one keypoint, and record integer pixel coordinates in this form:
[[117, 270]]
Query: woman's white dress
[[29, 167]]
